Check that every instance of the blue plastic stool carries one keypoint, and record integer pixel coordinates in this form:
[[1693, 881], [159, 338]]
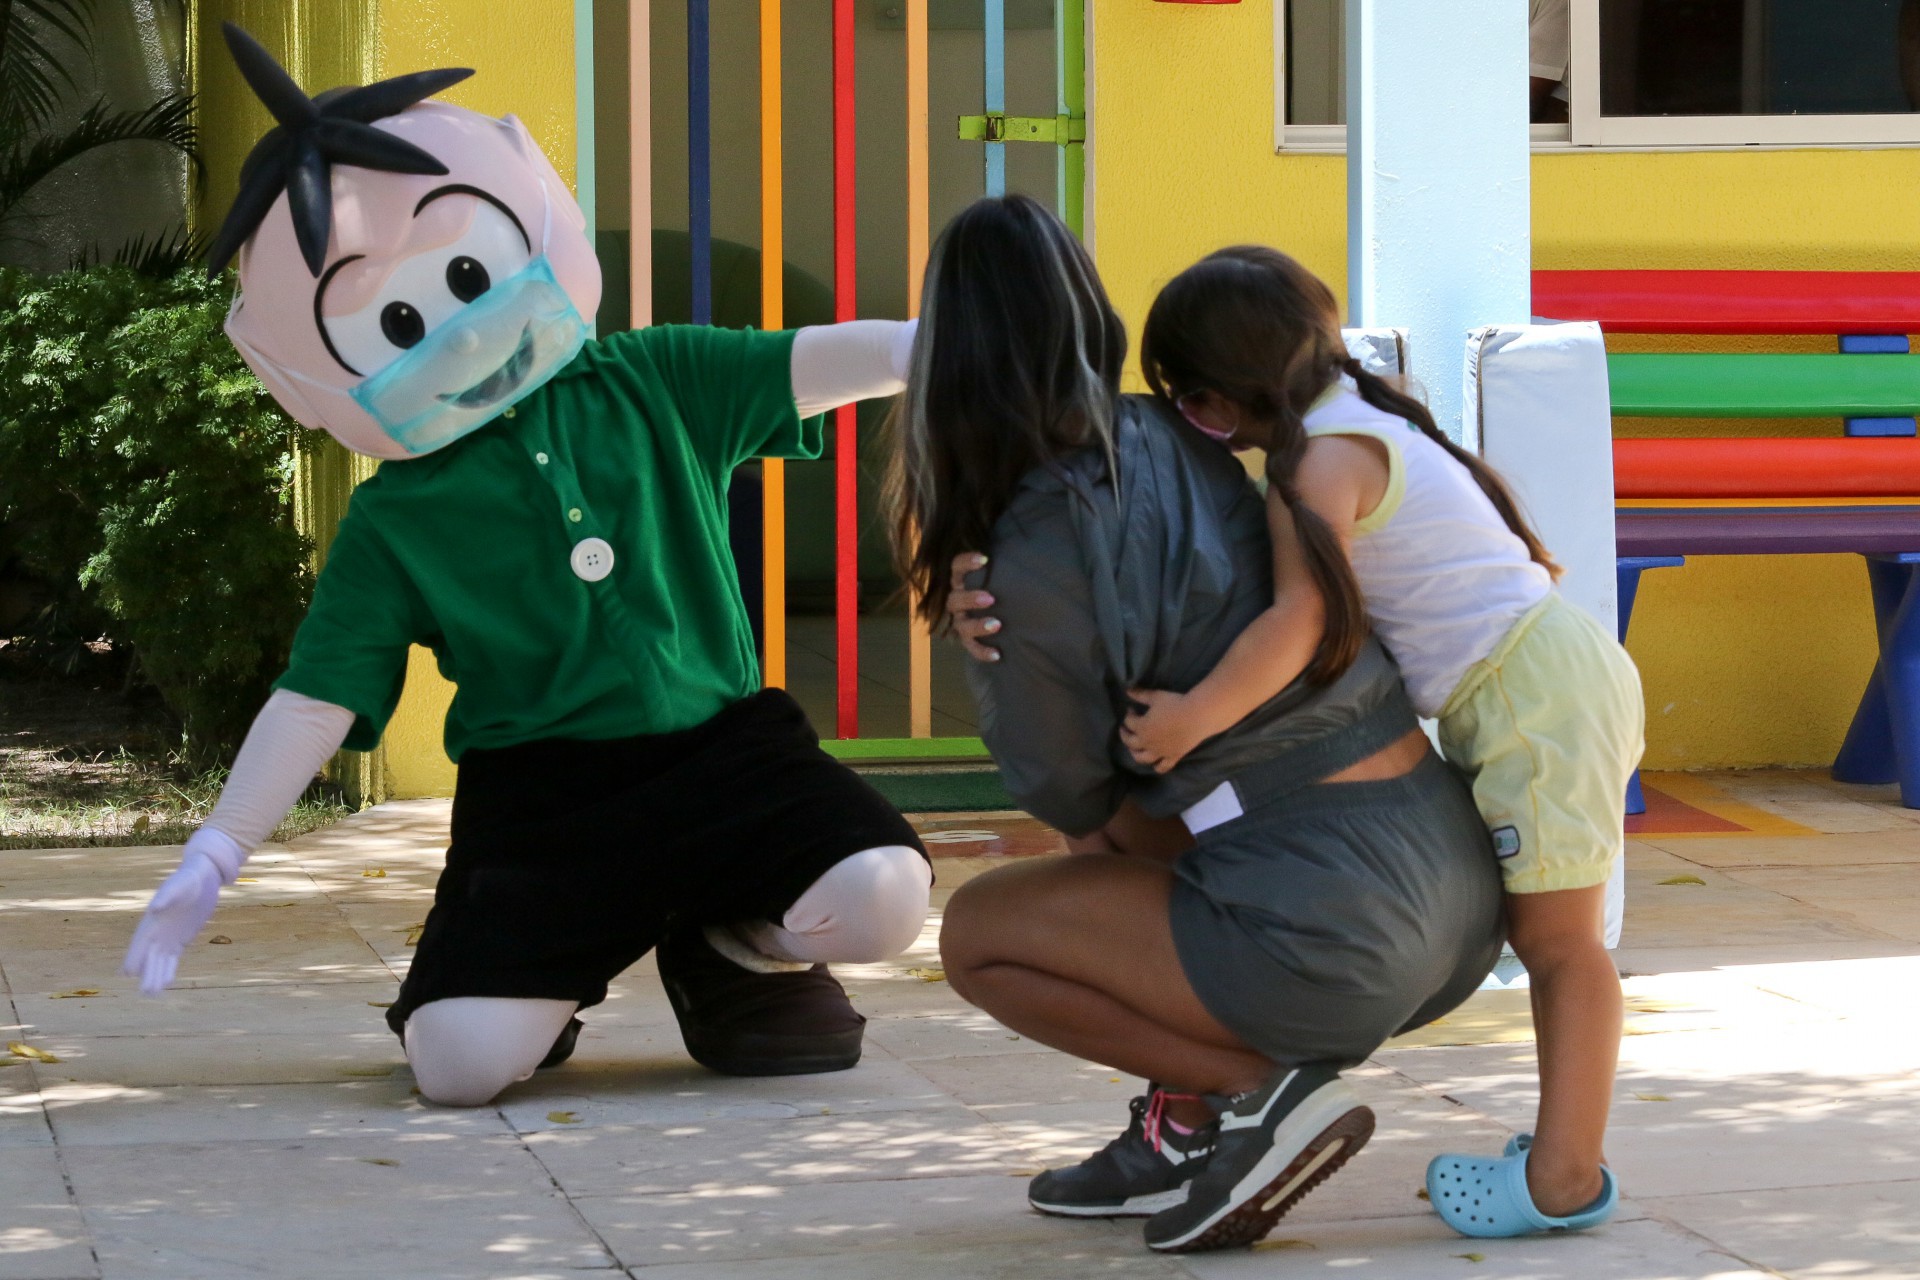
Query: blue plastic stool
[[1627, 571]]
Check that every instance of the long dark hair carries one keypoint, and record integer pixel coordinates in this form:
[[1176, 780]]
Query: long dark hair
[[1253, 326], [1017, 362]]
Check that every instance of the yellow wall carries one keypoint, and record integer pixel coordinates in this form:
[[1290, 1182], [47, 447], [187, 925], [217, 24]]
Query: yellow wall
[[1746, 660]]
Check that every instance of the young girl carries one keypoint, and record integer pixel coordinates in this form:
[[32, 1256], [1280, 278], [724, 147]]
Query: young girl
[[1377, 517]]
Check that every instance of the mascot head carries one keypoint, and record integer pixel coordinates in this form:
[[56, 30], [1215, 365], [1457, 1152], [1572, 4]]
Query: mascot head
[[408, 269]]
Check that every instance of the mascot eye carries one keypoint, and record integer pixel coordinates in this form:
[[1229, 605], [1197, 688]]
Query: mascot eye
[[402, 324], [399, 302], [467, 279]]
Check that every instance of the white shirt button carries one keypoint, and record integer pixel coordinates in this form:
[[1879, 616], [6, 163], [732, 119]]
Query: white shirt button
[[508, 412], [592, 559], [574, 515], [540, 458]]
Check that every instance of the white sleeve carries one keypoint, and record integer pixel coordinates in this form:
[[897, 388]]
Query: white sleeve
[[290, 739], [836, 364]]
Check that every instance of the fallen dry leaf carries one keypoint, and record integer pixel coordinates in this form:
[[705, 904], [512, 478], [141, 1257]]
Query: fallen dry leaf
[[379, 1160], [563, 1117], [247, 880], [1653, 1097], [272, 905], [1472, 1257], [142, 822], [928, 975], [1024, 1173], [219, 940], [21, 1049], [380, 1004], [1684, 880], [375, 873], [1284, 1244], [78, 993], [1421, 1194], [413, 939]]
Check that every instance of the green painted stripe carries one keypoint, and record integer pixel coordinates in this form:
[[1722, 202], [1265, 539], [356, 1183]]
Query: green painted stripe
[[1742, 386], [972, 791], [905, 748]]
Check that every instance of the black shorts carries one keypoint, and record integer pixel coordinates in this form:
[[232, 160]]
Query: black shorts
[[570, 860]]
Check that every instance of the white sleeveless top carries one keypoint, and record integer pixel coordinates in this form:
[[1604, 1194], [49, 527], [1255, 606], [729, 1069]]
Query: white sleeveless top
[[1444, 577]]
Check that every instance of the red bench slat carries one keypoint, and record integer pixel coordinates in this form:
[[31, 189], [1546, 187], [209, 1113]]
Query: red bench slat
[[1768, 467], [1816, 302]]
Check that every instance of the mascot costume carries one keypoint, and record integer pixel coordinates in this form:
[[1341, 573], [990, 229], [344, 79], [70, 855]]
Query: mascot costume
[[551, 521]]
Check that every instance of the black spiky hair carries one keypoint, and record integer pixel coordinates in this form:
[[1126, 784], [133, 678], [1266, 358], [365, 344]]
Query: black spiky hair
[[310, 136]]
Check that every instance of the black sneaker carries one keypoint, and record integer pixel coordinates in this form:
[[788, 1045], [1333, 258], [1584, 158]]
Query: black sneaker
[[563, 1045], [1144, 1170], [1276, 1143]]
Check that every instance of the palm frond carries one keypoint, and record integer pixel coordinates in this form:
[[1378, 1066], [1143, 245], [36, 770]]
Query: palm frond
[[165, 254], [168, 122], [31, 68]]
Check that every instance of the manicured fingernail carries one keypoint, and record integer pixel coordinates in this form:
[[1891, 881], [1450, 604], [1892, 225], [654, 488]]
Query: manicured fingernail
[[993, 624], [978, 560], [993, 655], [985, 599]]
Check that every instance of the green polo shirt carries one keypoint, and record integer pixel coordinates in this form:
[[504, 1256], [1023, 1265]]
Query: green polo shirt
[[494, 552]]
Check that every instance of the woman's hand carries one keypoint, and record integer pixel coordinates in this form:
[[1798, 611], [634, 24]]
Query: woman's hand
[[961, 603], [1162, 735]]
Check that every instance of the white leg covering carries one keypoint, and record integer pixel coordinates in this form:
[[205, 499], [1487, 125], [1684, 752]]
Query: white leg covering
[[464, 1051], [867, 907]]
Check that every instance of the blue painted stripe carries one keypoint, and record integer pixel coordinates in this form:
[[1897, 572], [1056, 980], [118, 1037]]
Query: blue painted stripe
[[996, 28], [700, 159], [585, 185]]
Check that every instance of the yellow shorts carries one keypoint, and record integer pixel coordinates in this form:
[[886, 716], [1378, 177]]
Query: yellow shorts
[[1548, 728]]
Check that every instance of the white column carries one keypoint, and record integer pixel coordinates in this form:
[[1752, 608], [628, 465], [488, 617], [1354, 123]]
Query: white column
[[1438, 217]]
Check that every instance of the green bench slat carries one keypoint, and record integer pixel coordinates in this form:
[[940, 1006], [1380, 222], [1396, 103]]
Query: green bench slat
[[1764, 386]]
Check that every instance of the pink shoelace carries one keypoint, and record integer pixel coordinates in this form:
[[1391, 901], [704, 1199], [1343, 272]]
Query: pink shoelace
[[1156, 1112]]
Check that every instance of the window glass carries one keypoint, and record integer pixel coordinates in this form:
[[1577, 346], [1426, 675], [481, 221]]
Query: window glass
[[1758, 57]]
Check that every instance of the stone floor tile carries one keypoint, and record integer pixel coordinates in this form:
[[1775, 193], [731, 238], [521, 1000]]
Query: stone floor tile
[[950, 1030], [285, 1058], [1816, 886], [42, 1234], [1004, 1083], [1422, 1248], [113, 1114], [1702, 955], [601, 1160], [23, 1121], [666, 1092], [1865, 989], [416, 1205], [1860, 1231], [919, 1222], [1902, 846], [340, 957], [56, 924], [1675, 915], [1125, 1259], [217, 1013]]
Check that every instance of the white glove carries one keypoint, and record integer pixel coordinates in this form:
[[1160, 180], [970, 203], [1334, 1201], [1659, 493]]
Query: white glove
[[181, 908]]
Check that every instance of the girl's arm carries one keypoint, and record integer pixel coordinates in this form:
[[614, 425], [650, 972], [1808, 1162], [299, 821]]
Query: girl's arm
[[1340, 479]]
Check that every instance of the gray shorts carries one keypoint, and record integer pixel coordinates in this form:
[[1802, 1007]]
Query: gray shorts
[[1319, 924]]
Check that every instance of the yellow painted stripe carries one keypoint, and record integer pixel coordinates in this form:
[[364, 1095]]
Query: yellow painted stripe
[[640, 162], [773, 253], [919, 642], [1693, 790]]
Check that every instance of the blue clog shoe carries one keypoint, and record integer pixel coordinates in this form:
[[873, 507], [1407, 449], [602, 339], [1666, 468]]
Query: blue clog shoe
[[1488, 1198]]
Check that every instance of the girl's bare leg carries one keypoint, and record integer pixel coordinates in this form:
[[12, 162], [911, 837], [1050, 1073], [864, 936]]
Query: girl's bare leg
[[1078, 953], [1577, 1017]]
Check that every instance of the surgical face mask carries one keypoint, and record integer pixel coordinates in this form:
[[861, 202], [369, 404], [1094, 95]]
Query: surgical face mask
[[494, 352]]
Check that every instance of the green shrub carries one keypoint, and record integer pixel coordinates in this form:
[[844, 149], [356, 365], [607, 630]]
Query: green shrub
[[144, 469]]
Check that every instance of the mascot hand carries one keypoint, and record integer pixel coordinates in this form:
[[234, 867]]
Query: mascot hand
[[181, 908]]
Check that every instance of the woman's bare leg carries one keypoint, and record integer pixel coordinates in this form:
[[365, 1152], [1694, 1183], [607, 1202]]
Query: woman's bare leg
[[1133, 831], [1078, 953]]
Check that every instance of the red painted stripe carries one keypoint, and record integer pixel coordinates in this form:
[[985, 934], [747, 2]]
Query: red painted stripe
[[1817, 302], [1775, 467], [846, 507]]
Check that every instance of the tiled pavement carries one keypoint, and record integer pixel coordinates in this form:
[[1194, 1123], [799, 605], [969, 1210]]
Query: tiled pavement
[[260, 1121]]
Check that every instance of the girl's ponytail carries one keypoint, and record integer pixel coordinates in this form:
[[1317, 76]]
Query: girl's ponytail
[[1387, 398], [1346, 627]]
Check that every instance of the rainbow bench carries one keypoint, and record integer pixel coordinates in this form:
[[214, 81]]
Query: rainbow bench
[[1775, 496]]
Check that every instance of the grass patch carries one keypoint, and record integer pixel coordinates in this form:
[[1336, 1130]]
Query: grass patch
[[84, 767]]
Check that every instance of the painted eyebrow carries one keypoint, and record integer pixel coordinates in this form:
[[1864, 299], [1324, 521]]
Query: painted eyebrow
[[319, 321], [462, 189]]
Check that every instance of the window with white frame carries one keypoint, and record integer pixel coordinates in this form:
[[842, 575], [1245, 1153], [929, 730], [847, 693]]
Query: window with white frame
[[1660, 73]]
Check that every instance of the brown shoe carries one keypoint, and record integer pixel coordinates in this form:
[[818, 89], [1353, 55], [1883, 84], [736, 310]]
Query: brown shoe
[[741, 1023]]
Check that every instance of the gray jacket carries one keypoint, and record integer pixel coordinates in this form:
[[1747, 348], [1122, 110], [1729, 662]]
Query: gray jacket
[[1144, 587]]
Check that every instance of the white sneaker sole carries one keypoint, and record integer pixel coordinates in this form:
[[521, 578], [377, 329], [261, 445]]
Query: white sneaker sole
[[1311, 1144], [1133, 1207]]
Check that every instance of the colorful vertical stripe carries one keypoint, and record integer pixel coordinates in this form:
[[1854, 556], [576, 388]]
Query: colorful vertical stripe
[[919, 640], [773, 256], [700, 158], [996, 45], [846, 454], [640, 163]]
